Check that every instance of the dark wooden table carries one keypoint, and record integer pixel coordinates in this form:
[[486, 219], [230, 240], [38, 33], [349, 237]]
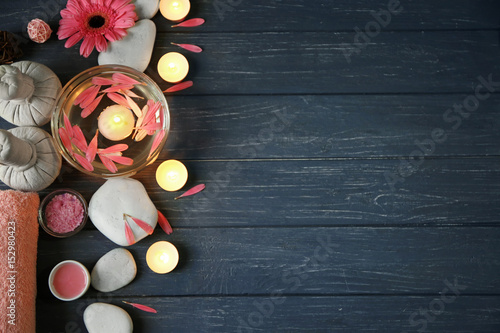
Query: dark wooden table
[[351, 159]]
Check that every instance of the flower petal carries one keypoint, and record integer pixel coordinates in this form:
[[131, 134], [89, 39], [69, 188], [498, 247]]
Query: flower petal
[[114, 149], [84, 162], [108, 164], [89, 109], [143, 225], [163, 222], [92, 148], [129, 235]]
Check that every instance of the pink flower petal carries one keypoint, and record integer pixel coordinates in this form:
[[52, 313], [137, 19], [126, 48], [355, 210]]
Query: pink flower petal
[[87, 46], [133, 105], [84, 94], [92, 148], [156, 142], [124, 79], [121, 159], [119, 99], [114, 149], [79, 139], [102, 81], [108, 164], [118, 87], [66, 141], [67, 125], [163, 222], [89, 109], [131, 94], [151, 127], [129, 235], [73, 40], [143, 225], [90, 97], [84, 162]]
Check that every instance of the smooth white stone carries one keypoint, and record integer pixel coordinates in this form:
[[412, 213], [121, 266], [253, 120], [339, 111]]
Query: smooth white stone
[[113, 270], [134, 50], [107, 318], [118, 196], [146, 9]]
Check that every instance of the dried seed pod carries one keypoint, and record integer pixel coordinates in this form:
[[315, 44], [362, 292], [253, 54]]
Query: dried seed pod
[[9, 48]]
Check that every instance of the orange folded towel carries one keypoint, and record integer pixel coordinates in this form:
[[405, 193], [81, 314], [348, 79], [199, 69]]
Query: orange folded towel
[[18, 246]]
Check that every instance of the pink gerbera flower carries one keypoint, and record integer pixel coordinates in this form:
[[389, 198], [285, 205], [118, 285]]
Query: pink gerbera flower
[[97, 22]]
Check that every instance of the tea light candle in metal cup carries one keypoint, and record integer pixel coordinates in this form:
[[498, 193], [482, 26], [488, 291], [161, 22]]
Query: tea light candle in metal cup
[[173, 67], [171, 175], [175, 10], [162, 257], [69, 280], [116, 122]]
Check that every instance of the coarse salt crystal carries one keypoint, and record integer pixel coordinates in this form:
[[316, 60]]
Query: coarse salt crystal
[[64, 213]]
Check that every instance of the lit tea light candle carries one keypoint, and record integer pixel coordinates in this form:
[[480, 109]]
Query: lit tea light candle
[[171, 175], [162, 257], [116, 122], [174, 10], [69, 280], [173, 67]]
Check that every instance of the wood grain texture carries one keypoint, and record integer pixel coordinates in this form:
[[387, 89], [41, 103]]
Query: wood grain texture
[[295, 15], [289, 63], [311, 126], [323, 193], [294, 314], [309, 261], [295, 134]]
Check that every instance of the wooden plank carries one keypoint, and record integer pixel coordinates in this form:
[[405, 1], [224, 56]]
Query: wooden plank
[[317, 126], [292, 261], [325, 15], [353, 126], [323, 192], [289, 63], [335, 192], [296, 15], [291, 314]]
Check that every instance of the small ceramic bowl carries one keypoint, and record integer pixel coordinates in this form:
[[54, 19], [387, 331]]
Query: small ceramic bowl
[[69, 280], [42, 216]]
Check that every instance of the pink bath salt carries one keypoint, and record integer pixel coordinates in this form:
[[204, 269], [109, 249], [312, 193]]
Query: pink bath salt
[[64, 213]]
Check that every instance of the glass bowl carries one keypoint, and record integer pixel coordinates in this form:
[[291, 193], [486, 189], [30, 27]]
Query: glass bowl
[[117, 85], [42, 216]]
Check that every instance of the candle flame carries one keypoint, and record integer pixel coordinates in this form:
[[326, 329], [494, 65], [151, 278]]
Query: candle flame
[[117, 119], [175, 5], [164, 257], [172, 176], [172, 66]]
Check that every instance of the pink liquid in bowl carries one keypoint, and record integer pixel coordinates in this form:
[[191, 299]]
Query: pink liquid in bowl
[[70, 280]]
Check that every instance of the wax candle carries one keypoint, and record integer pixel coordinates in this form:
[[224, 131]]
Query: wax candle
[[175, 10], [69, 280], [173, 67], [162, 257], [116, 122], [171, 175]]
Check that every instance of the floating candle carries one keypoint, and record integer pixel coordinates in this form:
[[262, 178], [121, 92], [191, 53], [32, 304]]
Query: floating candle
[[173, 67], [116, 122], [69, 280], [171, 175], [162, 257], [175, 10]]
